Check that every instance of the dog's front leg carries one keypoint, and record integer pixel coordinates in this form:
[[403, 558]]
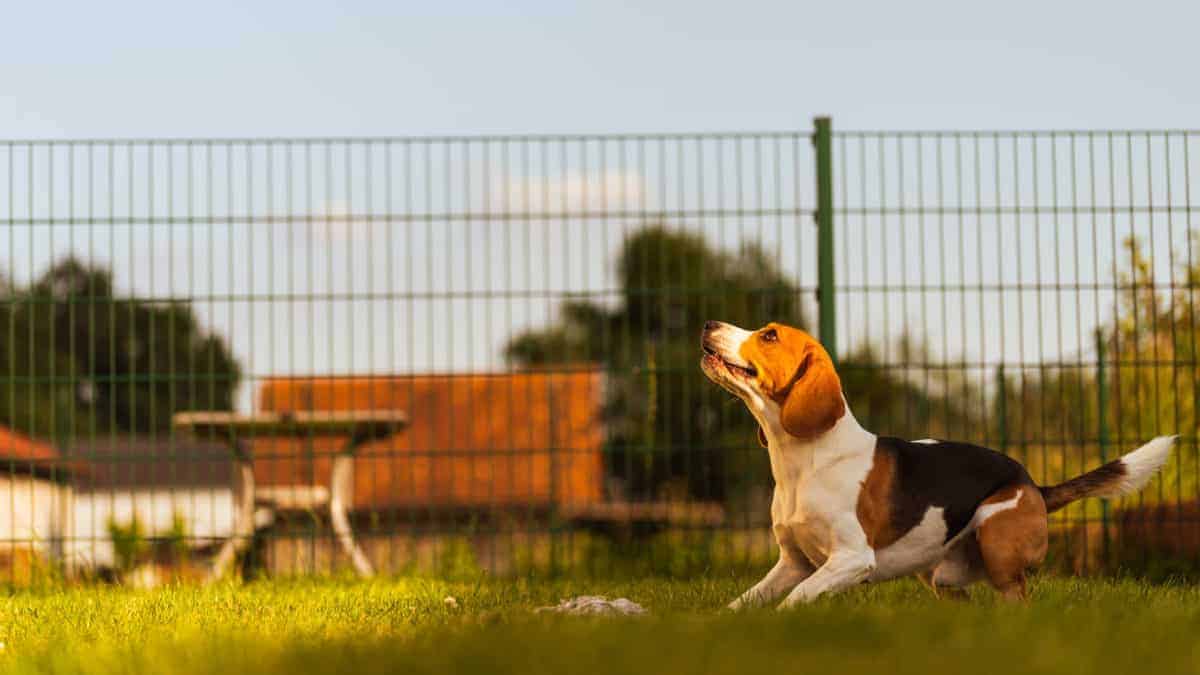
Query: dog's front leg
[[844, 568], [782, 578], [851, 561]]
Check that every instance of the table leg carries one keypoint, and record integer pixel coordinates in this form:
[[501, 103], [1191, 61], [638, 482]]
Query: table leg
[[339, 493], [243, 523]]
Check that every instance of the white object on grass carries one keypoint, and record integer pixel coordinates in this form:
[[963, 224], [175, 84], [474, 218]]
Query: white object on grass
[[595, 604]]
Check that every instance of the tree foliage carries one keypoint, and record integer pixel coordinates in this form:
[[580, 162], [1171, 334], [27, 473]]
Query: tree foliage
[[672, 433], [1051, 418], [77, 358]]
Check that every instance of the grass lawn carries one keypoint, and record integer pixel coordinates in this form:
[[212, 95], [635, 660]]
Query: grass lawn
[[405, 626]]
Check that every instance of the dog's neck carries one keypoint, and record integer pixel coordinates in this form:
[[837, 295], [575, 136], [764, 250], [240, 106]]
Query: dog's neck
[[792, 457]]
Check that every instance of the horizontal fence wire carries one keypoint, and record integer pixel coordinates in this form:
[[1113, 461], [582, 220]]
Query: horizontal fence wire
[[1036, 291], [531, 306]]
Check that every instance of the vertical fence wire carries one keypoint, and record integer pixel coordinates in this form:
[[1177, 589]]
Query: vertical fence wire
[[1069, 311], [533, 305]]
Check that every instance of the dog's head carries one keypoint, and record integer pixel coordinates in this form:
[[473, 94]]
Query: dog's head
[[782, 374]]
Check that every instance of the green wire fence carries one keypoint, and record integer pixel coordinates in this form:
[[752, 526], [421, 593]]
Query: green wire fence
[[519, 317]]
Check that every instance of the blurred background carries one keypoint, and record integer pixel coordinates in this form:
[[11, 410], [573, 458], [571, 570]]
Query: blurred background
[[482, 242]]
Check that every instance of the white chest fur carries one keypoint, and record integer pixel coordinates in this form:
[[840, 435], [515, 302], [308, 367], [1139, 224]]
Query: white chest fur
[[816, 489]]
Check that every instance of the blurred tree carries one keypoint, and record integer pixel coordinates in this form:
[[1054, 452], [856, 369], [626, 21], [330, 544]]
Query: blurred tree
[[901, 390], [1051, 411], [672, 433], [1154, 364], [78, 358]]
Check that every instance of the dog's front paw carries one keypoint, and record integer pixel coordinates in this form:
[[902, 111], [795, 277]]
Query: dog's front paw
[[790, 602], [751, 599]]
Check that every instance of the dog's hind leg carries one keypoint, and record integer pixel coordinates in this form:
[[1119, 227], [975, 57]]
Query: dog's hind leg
[[1013, 540], [941, 592], [926, 579], [962, 566]]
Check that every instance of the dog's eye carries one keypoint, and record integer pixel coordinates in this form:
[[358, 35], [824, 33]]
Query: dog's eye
[[769, 336]]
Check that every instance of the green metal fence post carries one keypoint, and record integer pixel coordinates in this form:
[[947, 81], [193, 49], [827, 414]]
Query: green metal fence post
[[827, 317], [1102, 431]]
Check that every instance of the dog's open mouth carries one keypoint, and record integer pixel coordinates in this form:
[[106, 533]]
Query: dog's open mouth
[[737, 369]]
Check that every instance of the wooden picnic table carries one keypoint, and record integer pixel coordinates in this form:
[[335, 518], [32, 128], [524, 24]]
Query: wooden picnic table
[[358, 427]]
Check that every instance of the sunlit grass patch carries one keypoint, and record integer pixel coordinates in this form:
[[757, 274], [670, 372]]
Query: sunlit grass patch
[[406, 625]]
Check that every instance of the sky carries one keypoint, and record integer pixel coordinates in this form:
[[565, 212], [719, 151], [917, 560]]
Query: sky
[[225, 68], [220, 69]]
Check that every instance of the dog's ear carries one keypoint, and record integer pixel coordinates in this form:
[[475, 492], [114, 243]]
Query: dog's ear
[[762, 437], [813, 400], [795, 371]]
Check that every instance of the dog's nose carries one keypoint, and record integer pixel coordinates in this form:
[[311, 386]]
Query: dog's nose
[[711, 326]]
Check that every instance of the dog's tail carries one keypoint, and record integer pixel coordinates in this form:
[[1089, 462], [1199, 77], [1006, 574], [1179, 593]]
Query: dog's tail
[[1118, 477]]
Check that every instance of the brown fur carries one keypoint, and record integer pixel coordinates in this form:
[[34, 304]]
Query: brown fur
[[1011, 542], [797, 373], [907, 478], [874, 509], [1004, 547], [814, 404], [1095, 481]]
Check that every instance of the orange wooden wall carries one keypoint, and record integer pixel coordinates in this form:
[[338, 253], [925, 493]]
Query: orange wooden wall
[[474, 440]]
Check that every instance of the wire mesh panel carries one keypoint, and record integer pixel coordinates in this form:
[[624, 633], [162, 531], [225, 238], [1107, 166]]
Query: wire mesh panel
[[522, 315], [1034, 292], [531, 304]]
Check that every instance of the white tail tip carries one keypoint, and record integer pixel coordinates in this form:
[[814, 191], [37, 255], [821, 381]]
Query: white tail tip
[[1141, 464]]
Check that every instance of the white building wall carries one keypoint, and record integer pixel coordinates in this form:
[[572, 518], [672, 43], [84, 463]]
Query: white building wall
[[207, 513], [34, 513]]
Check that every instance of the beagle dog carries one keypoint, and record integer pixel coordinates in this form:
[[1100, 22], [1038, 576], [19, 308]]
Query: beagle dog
[[852, 507]]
